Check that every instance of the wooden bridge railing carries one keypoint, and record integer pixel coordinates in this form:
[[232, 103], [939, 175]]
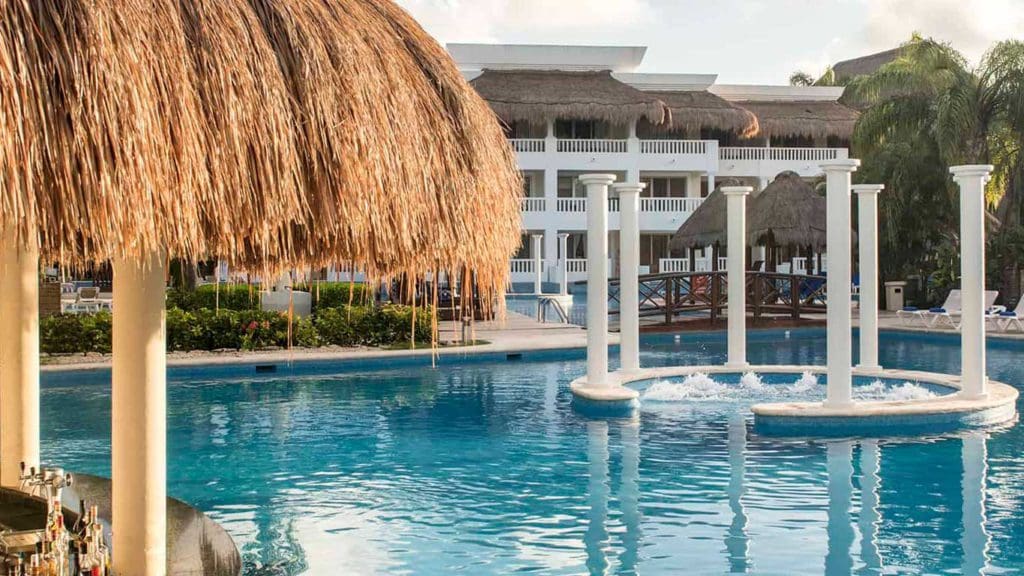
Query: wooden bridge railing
[[675, 293]]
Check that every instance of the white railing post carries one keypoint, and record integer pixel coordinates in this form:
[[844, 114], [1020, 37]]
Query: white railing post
[[597, 277], [867, 236], [736, 213], [538, 264], [971, 180], [629, 283], [839, 388], [19, 357]]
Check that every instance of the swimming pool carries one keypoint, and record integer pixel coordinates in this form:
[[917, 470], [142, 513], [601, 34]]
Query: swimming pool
[[482, 467]]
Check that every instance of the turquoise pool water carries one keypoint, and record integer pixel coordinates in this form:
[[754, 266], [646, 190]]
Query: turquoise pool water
[[483, 467]]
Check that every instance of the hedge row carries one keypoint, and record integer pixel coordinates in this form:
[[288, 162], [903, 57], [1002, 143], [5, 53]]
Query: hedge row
[[245, 297], [205, 329]]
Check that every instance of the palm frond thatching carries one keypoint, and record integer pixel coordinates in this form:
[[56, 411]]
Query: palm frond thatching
[[538, 96], [816, 119], [708, 225], [696, 110], [264, 132], [788, 212]]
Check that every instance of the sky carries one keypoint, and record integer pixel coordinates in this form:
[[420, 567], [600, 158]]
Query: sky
[[743, 41]]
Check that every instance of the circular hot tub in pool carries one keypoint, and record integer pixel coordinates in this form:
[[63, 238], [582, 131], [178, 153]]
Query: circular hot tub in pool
[[789, 399]]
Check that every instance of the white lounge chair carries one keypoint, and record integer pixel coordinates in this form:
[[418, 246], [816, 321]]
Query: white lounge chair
[[911, 314], [952, 317], [1003, 319]]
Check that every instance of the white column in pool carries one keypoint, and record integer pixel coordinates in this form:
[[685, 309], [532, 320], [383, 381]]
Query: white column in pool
[[867, 236], [563, 248], [839, 390], [596, 538], [139, 418], [971, 180], [869, 518], [736, 214], [629, 283], [839, 461], [19, 357], [597, 277], [538, 264], [974, 539]]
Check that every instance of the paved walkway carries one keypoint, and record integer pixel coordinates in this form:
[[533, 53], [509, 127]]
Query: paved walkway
[[516, 333]]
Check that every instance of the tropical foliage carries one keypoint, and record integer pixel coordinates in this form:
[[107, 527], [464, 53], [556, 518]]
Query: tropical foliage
[[925, 111]]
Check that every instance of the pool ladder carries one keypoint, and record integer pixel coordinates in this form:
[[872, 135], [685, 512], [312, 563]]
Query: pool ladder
[[545, 303]]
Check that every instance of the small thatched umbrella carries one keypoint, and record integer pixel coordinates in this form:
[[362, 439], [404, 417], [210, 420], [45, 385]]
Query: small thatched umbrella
[[788, 212], [814, 119], [696, 110], [707, 226], [539, 96]]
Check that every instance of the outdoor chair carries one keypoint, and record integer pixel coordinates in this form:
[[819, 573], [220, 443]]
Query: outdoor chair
[[1004, 319], [951, 317], [909, 314]]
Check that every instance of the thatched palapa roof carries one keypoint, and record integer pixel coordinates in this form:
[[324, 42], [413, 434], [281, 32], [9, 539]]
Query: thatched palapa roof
[[788, 212], [264, 132], [538, 96], [708, 225], [694, 110], [818, 119]]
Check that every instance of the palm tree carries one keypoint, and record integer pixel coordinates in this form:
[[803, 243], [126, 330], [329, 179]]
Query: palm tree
[[930, 106]]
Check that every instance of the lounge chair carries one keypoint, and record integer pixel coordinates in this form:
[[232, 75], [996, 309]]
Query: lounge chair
[[952, 316], [1004, 319], [910, 314]]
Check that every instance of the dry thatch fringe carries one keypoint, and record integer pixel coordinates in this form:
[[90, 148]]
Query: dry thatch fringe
[[816, 119], [269, 133], [788, 212], [708, 225], [539, 96], [694, 110]]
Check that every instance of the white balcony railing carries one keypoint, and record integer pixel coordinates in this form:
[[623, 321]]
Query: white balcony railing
[[527, 144], [534, 204], [588, 146], [795, 154], [668, 265], [673, 146], [576, 265], [571, 205], [522, 265], [669, 204]]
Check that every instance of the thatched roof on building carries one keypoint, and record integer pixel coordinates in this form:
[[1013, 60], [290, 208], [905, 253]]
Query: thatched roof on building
[[267, 132], [708, 225], [818, 119], [788, 212], [542, 95], [864, 65], [694, 110]]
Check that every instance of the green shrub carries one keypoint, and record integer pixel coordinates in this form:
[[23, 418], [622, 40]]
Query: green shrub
[[227, 297], [75, 333], [371, 326], [337, 294]]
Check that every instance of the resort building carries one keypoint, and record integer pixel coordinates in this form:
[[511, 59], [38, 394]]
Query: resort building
[[570, 110]]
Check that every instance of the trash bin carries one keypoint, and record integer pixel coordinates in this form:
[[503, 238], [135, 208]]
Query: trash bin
[[894, 295]]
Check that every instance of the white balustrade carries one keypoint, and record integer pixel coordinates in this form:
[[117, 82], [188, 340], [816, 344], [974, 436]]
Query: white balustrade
[[527, 144], [592, 146], [799, 265], [797, 154], [534, 204], [669, 204], [673, 147], [571, 205], [576, 265], [613, 204], [522, 265], [669, 265]]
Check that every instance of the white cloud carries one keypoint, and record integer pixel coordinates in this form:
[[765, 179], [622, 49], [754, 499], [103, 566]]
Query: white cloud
[[971, 26], [494, 20]]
